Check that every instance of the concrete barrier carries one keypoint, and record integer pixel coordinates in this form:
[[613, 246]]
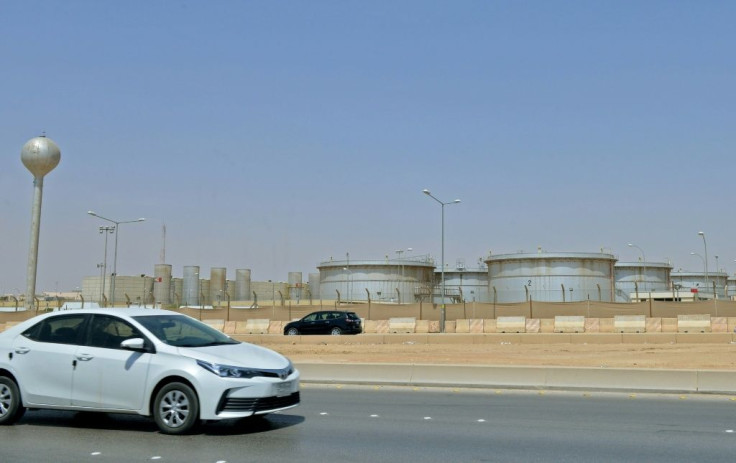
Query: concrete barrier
[[255, 326], [629, 323], [511, 325], [402, 325], [699, 323], [276, 327], [569, 324], [522, 377]]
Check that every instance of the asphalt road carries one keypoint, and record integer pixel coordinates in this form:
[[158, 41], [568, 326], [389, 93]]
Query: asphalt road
[[372, 424]]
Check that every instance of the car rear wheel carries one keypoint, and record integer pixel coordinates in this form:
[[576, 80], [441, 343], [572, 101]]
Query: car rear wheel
[[176, 408], [336, 331], [11, 407], [292, 331]]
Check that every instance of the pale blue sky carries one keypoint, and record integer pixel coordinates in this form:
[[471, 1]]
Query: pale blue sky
[[273, 135]]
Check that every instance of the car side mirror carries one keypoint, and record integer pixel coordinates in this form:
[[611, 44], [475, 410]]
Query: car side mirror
[[134, 344]]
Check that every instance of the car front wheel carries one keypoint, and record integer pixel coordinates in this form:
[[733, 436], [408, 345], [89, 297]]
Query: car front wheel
[[11, 408], [292, 332], [176, 408]]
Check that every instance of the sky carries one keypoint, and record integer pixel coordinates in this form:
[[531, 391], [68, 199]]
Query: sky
[[274, 135]]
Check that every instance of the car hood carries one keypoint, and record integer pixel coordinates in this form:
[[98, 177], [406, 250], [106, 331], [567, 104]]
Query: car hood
[[242, 354]]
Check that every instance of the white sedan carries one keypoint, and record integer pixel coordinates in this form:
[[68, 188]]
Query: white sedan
[[143, 361]]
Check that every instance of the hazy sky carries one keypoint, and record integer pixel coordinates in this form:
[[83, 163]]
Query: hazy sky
[[272, 135]]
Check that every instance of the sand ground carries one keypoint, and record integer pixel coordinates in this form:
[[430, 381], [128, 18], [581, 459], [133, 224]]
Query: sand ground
[[663, 356]]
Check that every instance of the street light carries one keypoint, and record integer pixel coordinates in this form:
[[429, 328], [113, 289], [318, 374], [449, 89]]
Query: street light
[[701, 258], [644, 257], [106, 230], [442, 308], [115, 259], [705, 247], [401, 265]]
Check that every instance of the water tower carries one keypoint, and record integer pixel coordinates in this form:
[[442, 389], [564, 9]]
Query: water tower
[[40, 155]]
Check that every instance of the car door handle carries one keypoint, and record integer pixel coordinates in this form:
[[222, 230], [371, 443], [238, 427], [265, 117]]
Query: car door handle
[[22, 350], [84, 357]]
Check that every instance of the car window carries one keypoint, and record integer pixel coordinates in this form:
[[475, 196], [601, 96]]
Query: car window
[[64, 329], [183, 331], [108, 332], [311, 317]]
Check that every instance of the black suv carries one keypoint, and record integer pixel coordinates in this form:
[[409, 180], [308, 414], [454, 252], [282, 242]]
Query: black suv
[[326, 322]]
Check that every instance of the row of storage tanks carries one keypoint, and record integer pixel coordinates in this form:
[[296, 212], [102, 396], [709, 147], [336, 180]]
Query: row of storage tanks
[[508, 278]]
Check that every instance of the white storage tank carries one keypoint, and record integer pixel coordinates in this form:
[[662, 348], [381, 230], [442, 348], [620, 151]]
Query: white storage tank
[[218, 278], [190, 290], [641, 277], [162, 284], [396, 280], [242, 285], [551, 277]]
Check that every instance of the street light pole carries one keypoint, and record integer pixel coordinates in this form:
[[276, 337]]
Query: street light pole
[[705, 247], [442, 271], [115, 258], [643, 256], [702, 259], [106, 230]]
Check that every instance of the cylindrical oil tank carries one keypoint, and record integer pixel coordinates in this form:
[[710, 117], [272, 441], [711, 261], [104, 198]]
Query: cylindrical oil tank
[[469, 285], [218, 278], [551, 277], [204, 293], [242, 285], [313, 286], [731, 287], [642, 278], [191, 289], [177, 284], [699, 283], [295, 286], [162, 284], [398, 281]]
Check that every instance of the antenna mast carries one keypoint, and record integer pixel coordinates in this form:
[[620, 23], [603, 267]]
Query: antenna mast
[[162, 256]]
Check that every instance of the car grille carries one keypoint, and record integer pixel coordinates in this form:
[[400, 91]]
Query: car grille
[[257, 405]]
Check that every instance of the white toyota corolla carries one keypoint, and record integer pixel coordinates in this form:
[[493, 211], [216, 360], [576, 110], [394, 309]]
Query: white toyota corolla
[[150, 362]]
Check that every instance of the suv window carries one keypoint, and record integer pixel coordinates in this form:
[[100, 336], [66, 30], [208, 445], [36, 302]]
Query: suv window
[[59, 330]]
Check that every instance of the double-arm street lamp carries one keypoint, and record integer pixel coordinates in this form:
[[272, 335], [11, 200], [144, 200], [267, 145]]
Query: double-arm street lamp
[[115, 258], [106, 230], [442, 307]]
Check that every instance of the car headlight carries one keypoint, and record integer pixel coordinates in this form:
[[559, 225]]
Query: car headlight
[[228, 371]]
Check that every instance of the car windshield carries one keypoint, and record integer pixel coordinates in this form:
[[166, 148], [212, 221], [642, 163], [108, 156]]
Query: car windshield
[[183, 331]]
